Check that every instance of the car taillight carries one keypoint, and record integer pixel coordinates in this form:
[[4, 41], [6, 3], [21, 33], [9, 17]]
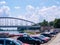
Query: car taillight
[[46, 39]]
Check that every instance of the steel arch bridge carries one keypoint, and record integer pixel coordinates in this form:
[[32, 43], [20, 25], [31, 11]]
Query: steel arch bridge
[[11, 21], [17, 22]]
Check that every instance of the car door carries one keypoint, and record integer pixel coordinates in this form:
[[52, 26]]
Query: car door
[[30, 40], [8, 42], [24, 39], [2, 42]]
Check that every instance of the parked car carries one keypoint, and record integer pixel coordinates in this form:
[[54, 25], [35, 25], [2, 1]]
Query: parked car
[[41, 40], [44, 38], [56, 31], [29, 40], [47, 34], [18, 34], [4, 35], [25, 44], [53, 34], [9, 41]]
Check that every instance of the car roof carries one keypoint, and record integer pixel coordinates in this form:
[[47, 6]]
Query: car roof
[[34, 36], [7, 39]]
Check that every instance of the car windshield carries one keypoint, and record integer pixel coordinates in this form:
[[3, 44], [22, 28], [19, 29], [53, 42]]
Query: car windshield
[[41, 36], [30, 38], [18, 42], [36, 37]]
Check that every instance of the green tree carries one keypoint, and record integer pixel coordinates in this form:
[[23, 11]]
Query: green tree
[[51, 23], [44, 23], [57, 23]]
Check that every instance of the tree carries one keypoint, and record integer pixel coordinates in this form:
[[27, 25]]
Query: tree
[[51, 23], [57, 23], [44, 23]]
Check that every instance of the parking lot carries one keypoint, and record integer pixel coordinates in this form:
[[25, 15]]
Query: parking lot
[[48, 38], [54, 40]]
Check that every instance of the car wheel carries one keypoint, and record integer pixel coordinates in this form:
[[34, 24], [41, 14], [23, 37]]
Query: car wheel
[[35, 44], [38, 44]]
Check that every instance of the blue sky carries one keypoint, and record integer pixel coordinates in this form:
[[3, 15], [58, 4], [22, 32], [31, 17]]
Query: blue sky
[[33, 10]]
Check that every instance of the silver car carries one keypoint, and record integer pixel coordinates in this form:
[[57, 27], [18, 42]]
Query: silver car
[[9, 41]]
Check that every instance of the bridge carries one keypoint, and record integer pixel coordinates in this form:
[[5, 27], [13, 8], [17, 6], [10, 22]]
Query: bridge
[[20, 24]]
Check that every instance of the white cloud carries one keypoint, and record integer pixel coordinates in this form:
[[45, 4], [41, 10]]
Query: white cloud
[[31, 14], [22, 17], [36, 14], [50, 13], [4, 11], [3, 2], [30, 8], [17, 7]]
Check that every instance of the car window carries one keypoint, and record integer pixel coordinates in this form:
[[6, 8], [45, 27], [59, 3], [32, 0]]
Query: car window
[[20, 38], [25, 38], [18, 42], [1, 42], [29, 38], [36, 37], [8, 42], [42, 36]]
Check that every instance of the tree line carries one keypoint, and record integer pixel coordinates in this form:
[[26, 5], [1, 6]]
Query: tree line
[[55, 23]]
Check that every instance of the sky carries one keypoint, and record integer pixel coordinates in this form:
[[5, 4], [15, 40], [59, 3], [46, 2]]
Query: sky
[[32, 10]]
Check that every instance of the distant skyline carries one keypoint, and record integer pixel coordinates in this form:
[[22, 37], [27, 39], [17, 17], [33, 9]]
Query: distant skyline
[[32, 10]]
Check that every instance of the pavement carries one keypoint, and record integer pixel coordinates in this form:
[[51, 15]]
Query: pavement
[[54, 41]]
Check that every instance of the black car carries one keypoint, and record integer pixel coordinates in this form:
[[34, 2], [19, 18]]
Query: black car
[[41, 39], [47, 34], [29, 40], [52, 33], [56, 31]]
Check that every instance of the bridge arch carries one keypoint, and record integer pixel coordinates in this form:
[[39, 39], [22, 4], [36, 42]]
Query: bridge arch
[[11, 21]]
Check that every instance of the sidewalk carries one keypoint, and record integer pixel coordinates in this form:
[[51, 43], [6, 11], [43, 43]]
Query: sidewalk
[[56, 41]]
